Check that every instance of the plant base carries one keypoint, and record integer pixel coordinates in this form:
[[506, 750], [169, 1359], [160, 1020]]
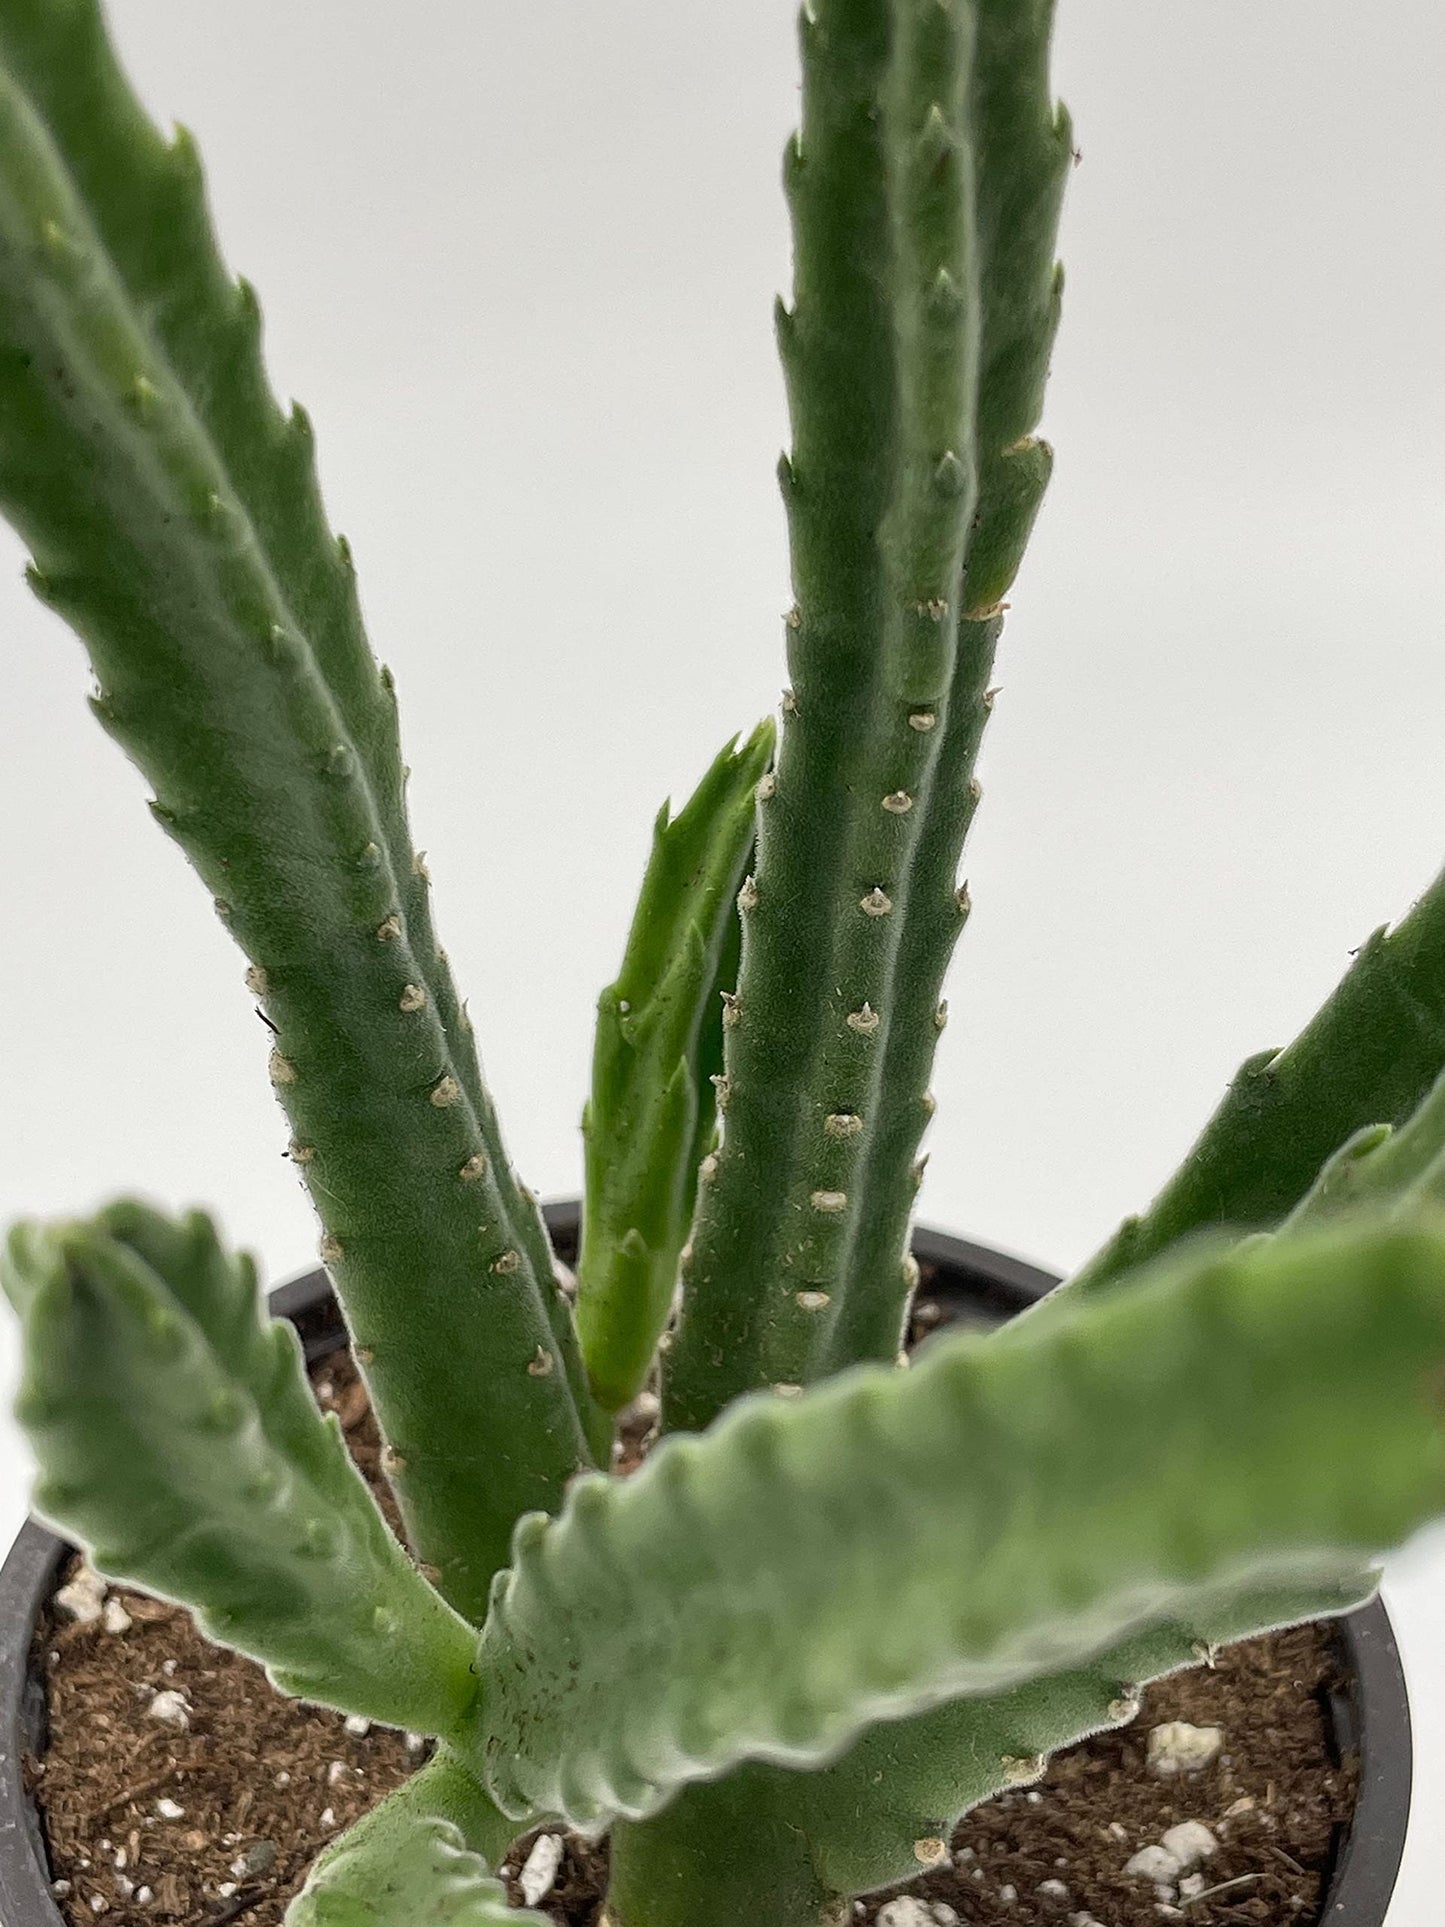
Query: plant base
[[253, 1772], [256, 1775]]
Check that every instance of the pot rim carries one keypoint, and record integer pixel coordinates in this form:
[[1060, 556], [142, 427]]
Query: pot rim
[[1371, 1717]]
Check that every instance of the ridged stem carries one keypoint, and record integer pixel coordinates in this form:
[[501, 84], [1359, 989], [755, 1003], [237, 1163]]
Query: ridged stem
[[1024, 147], [1368, 1056], [657, 1071], [878, 350], [852, 918], [893, 1540], [424, 1854], [174, 521]]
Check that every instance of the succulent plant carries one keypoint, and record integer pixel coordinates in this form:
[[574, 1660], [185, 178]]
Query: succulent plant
[[840, 1602]]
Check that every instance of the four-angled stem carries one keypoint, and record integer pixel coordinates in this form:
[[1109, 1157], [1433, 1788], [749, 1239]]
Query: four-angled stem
[[925, 185], [174, 520]]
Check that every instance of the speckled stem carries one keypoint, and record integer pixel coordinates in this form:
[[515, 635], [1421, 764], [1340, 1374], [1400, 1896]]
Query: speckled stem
[[1026, 149], [894, 1540], [878, 353], [925, 187], [881, 1812], [173, 517]]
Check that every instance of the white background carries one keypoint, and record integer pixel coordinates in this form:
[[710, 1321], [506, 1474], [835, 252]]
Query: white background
[[519, 263]]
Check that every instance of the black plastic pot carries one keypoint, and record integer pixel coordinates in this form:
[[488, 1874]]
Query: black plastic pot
[[1370, 1718]]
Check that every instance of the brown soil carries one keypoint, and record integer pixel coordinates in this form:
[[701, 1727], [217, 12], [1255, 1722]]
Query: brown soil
[[244, 1839], [112, 1775], [1273, 1801]]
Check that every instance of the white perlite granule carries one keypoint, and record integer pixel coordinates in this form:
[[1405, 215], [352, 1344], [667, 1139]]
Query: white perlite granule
[[83, 1596], [170, 1709], [906, 1912], [1177, 1747], [1154, 1863], [1189, 1842], [540, 1868]]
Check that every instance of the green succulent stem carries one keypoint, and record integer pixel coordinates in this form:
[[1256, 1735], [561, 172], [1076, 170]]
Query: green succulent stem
[[905, 1783], [718, 1856], [813, 1566], [1024, 149], [422, 1858], [174, 519], [841, 1602], [1367, 1057], [908, 303], [863, 1822], [657, 1070], [177, 1440], [1394, 1171]]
